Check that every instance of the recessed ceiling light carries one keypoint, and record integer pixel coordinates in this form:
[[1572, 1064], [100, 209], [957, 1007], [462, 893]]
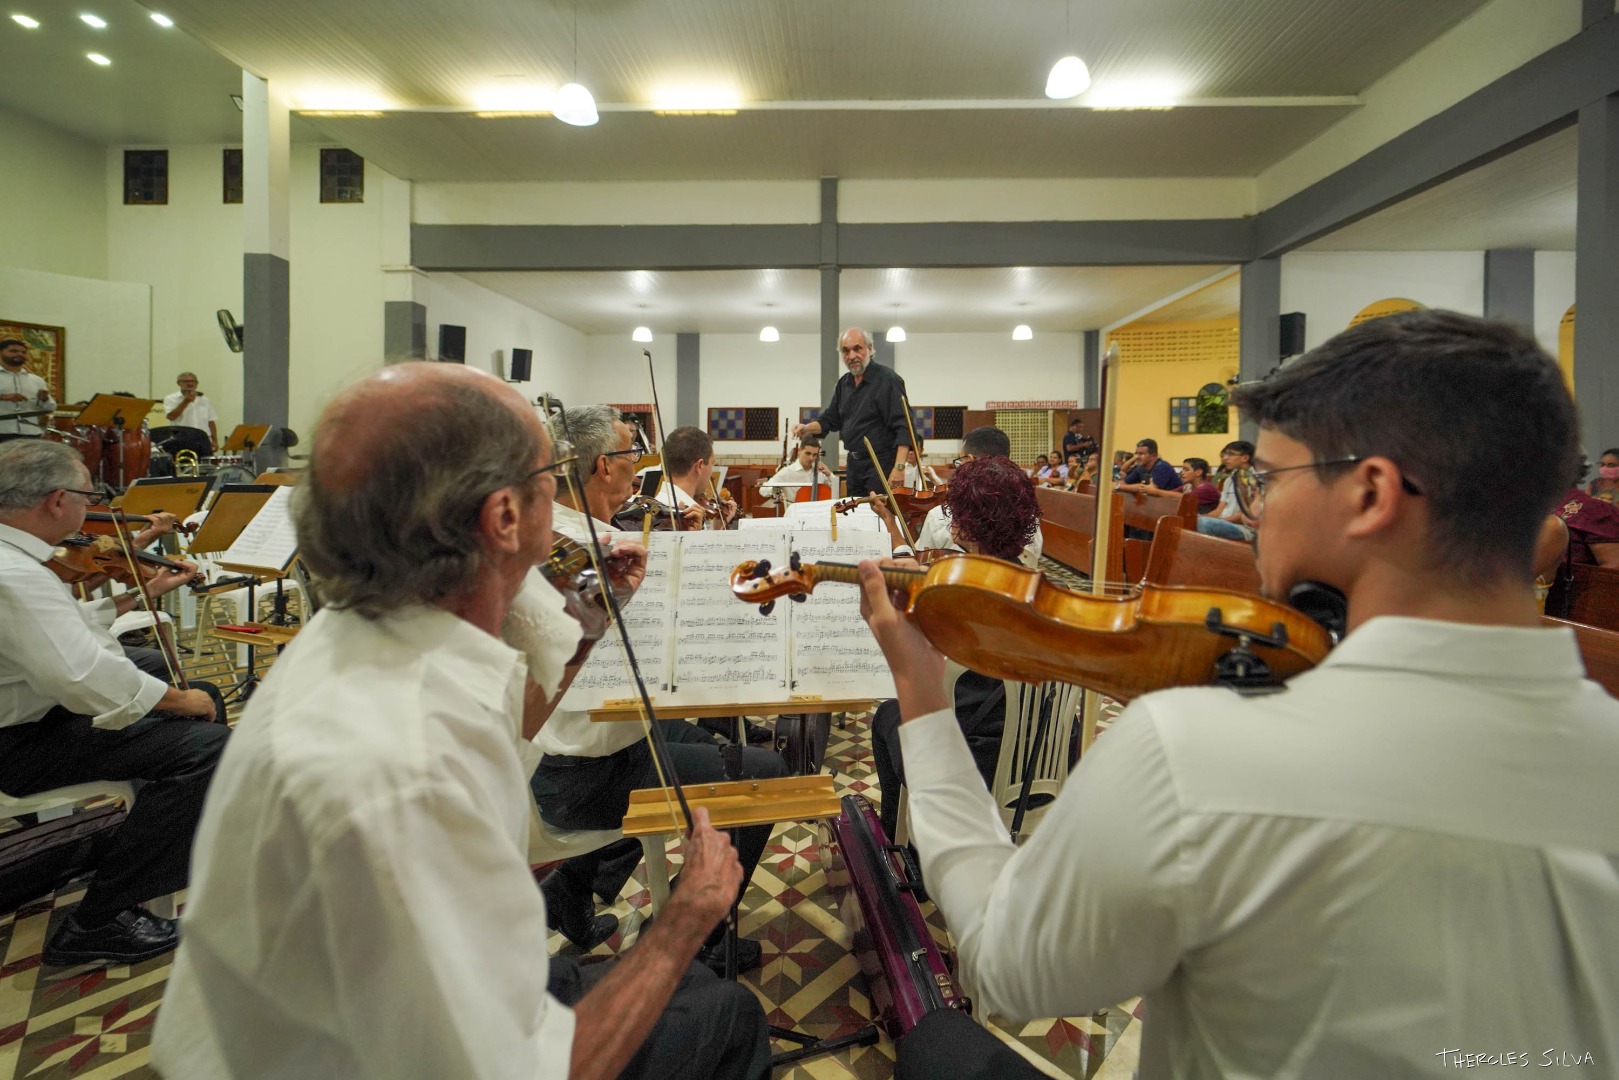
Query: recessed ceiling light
[[1022, 333], [97, 58], [162, 20], [24, 20], [93, 20], [769, 333], [642, 333], [895, 334]]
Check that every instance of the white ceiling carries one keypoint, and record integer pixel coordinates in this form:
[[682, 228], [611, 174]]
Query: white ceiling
[[1049, 299], [1523, 200]]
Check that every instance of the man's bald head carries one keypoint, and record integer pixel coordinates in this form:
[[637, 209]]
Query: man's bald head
[[401, 464]]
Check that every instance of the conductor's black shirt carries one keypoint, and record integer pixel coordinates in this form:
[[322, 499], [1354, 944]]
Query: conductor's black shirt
[[873, 410]]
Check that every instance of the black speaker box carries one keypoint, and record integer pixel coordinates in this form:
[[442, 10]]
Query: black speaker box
[[521, 365], [1292, 334], [452, 343]]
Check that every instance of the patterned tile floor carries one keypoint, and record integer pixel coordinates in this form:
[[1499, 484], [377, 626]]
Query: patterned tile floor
[[92, 1023]]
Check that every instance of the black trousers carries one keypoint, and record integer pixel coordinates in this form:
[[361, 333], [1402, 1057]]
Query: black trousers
[[151, 854], [860, 473], [151, 661], [710, 1028], [593, 793], [982, 726], [947, 1044]]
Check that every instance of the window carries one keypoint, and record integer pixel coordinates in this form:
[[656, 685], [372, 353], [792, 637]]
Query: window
[[146, 177], [938, 421], [342, 177], [233, 174], [1183, 416], [736, 424]]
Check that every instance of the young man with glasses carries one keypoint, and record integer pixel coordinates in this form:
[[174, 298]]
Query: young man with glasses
[[1405, 857], [74, 708], [1227, 521]]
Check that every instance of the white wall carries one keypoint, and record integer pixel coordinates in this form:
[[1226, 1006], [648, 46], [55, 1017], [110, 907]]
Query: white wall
[[1554, 294], [51, 197], [739, 369], [496, 325], [1331, 287], [190, 254], [969, 369], [108, 323]]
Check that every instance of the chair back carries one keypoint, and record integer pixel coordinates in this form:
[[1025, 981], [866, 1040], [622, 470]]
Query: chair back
[[1182, 556], [1049, 760]]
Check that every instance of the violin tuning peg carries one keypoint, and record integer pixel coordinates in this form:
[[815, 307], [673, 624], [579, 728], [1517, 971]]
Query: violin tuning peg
[[797, 597], [795, 562], [767, 608], [760, 569]]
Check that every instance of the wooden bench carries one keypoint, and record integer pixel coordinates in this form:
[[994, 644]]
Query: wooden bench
[[1599, 648], [1144, 510], [1591, 597], [1068, 526]]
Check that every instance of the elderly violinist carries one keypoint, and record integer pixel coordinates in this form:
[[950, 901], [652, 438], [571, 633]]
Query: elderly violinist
[[74, 708], [1408, 852]]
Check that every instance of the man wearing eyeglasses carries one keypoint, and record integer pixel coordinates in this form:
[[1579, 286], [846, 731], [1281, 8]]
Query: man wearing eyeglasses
[[1404, 857], [74, 708]]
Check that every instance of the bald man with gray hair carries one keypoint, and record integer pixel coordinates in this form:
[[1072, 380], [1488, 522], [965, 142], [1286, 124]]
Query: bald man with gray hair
[[867, 404], [362, 903]]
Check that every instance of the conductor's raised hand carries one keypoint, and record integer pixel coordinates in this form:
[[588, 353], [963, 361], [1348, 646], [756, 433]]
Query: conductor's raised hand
[[711, 875], [798, 430], [917, 666]]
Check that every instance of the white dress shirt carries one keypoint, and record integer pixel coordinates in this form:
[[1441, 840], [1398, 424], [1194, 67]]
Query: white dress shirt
[[571, 732], [1413, 849], [794, 476], [29, 385], [57, 651], [935, 533], [361, 903], [199, 414]]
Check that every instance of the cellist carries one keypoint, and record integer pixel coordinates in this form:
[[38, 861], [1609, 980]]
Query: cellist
[[805, 478]]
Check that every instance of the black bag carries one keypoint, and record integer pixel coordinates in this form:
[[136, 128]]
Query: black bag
[[801, 741], [38, 860]]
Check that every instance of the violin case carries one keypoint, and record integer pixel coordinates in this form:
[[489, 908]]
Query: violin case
[[801, 741], [905, 970]]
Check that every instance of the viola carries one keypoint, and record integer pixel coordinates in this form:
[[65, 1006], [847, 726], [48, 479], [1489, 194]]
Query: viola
[[81, 558], [1007, 621]]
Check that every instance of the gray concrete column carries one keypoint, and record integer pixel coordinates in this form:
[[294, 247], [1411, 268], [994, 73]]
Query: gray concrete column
[[1596, 276], [1259, 325], [1090, 372], [882, 350], [831, 366], [266, 247], [688, 383], [1509, 286], [404, 331]]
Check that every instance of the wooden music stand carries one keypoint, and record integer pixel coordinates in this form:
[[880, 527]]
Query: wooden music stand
[[233, 508], [614, 711], [734, 804], [115, 410], [180, 495], [246, 437]]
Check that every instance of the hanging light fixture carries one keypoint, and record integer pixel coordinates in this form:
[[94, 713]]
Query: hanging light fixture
[[769, 333], [642, 334], [1069, 76], [1021, 332], [573, 104], [895, 334]]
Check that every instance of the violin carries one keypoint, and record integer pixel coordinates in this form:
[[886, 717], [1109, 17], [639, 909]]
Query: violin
[[104, 521], [81, 558], [570, 571], [631, 517], [913, 504], [1007, 621]]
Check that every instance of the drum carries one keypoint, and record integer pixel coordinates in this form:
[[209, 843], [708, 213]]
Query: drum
[[87, 441], [232, 474], [126, 454]]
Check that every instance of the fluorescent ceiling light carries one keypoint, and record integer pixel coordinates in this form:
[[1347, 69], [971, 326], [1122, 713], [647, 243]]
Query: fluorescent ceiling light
[[93, 20], [769, 333], [340, 101], [24, 20], [1069, 78], [522, 100], [1022, 333], [895, 333], [642, 333], [97, 58], [696, 101], [1135, 94], [162, 20], [574, 105]]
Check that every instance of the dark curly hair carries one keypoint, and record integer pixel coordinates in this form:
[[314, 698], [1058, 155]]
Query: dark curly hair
[[992, 504]]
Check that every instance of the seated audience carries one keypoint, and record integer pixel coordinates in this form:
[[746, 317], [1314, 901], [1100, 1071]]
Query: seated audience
[[1593, 527], [362, 904], [1606, 484], [1151, 472], [1195, 476], [1406, 856], [1227, 520]]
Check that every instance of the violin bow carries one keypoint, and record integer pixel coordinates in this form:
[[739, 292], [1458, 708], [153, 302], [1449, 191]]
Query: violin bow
[[893, 503], [921, 477], [1101, 546], [662, 762], [652, 443], [171, 658]]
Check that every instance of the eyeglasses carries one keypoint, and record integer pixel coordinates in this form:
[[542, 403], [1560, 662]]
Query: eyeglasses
[[634, 453], [90, 496], [562, 456], [956, 463], [1250, 485]]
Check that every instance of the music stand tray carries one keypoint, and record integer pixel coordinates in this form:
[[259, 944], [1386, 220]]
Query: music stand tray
[[180, 495], [246, 437], [115, 410]]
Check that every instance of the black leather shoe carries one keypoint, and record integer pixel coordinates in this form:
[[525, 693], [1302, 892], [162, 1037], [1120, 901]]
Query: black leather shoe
[[570, 912], [601, 928], [749, 955], [133, 935]]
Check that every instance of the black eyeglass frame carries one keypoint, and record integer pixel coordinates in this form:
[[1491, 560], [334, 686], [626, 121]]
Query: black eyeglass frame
[[1261, 477]]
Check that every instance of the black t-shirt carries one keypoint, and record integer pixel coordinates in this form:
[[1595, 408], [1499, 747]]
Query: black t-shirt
[[1077, 444], [871, 410]]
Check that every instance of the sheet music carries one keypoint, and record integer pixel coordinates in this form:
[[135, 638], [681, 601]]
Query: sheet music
[[647, 616], [725, 651], [817, 516], [269, 540], [833, 651]]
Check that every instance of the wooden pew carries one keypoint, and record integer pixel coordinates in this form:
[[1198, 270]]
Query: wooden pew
[[1144, 510], [1182, 556], [1591, 597], [1599, 648], [1068, 525]]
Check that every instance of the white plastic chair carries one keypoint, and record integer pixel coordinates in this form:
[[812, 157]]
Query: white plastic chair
[[59, 803]]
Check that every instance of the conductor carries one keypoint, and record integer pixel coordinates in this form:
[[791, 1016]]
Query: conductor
[[867, 403]]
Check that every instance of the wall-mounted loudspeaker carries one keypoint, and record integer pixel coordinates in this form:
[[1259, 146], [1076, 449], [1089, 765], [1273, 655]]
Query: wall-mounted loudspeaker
[[452, 343], [521, 365], [1292, 335]]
